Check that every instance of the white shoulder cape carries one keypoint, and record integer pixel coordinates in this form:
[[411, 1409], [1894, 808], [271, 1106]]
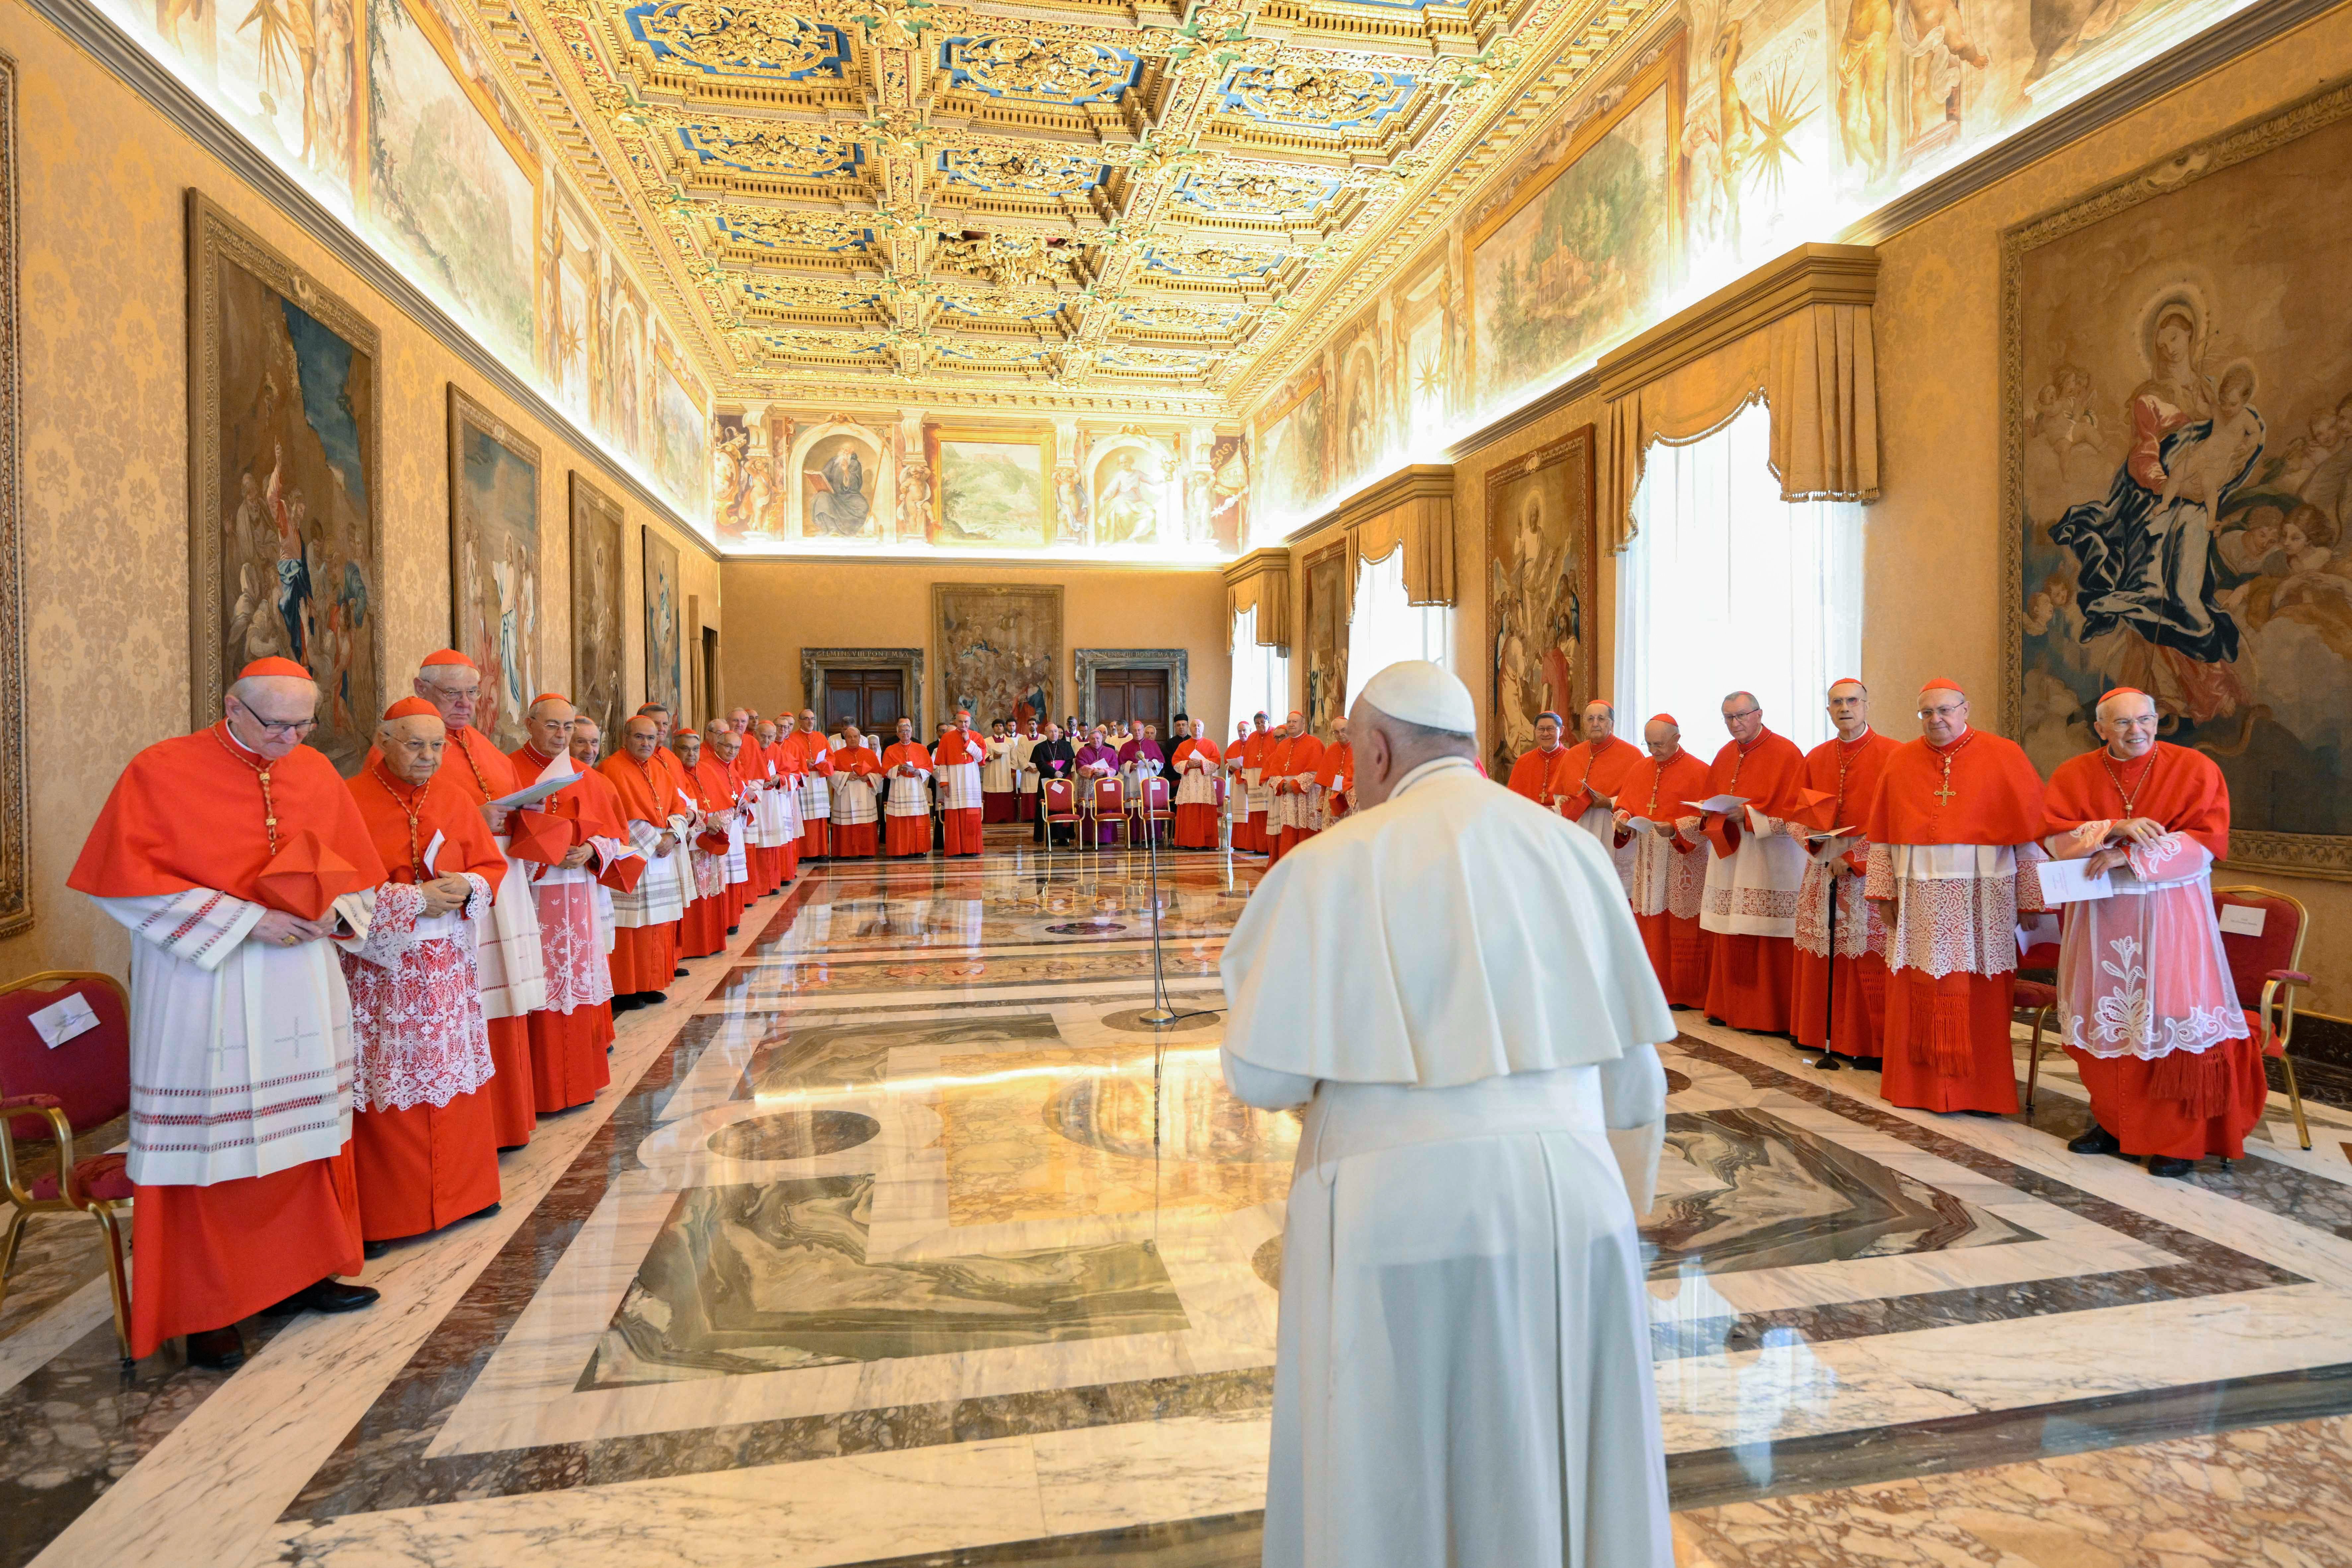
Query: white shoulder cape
[[1453, 932]]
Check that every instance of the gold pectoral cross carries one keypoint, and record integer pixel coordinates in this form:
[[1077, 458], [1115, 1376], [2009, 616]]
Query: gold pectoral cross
[[1947, 793]]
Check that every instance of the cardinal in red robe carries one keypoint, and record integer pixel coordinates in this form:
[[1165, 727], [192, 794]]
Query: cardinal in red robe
[[907, 810], [223, 853], [1198, 764], [506, 948], [2146, 1005], [1753, 871], [1669, 858], [703, 930], [1852, 983], [1952, 851], [855, 777], [571, 1035], [423, 1134], [960, 756], [645, 917]]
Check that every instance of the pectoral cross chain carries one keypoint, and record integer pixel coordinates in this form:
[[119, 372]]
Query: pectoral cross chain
[[1947, 793]]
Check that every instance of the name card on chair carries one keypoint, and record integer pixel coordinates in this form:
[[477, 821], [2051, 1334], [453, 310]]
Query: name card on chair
[[61, 1021], [2243, 919]]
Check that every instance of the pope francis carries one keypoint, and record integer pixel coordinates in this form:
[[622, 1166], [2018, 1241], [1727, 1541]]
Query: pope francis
[[1451, 981]]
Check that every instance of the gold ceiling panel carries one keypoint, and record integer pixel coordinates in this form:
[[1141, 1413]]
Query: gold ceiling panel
[[876, 202]]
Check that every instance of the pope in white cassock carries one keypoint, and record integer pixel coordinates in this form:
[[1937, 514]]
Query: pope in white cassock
[[1451, 982]]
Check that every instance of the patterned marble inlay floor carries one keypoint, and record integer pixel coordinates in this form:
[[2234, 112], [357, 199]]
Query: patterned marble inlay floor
[[899, 1238]]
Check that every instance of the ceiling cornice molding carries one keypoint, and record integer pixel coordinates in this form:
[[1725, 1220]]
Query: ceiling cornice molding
[[96, 35], [1399, 486]]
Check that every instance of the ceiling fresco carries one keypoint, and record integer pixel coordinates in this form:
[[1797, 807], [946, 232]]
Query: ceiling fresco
[[1119, 208]]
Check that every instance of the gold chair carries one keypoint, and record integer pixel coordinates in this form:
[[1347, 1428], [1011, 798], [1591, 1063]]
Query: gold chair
[[2265, 966]]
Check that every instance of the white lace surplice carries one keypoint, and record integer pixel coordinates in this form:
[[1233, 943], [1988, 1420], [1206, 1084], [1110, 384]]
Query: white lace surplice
[[852, 799], [1752, 891], [417, 1028], [1955, 905], [960, 786], [2142, 974], [1666, 880], [507, 953], [571, 933], [240, 1051], [655, 899], [1860, 930]]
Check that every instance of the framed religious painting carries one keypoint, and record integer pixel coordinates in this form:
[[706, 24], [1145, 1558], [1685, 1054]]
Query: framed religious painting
[[598, 576], [2177, 403], [994, 489], [284, 542], [1541, 546], [664, 615], [494, 564]]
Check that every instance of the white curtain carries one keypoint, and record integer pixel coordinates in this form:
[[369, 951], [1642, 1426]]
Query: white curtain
[[1261, 678], [1728, 587], [1386, 629]]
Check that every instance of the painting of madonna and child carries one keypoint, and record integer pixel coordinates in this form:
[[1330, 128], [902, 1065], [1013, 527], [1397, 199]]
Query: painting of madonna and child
[[2181, 438]]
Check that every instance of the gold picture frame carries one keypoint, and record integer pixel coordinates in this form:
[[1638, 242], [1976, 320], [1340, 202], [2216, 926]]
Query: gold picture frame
[[954, 531]]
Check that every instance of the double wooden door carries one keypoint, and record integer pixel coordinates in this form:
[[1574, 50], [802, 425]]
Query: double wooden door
[[1138, 696], [873, 699]]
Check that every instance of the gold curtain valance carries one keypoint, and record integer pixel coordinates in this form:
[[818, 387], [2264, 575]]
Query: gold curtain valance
[[1411, 510], [1797, 333], [1261, 580]]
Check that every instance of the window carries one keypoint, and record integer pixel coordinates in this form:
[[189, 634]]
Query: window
[[1261, 677], [1728, 587], [1386, 629]]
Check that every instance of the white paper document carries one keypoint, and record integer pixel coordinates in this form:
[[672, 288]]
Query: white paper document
[[62, 1020], [2243, 919], [433, 853], [2062, 882], [2037, 931], [1717, 803], [533, 794], [1642, 824]]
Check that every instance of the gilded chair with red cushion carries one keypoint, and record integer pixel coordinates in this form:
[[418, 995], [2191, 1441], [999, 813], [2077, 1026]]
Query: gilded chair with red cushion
[[83, 1083], [2028, 993], [1058, 800], [1107, 804], [2266, 954], [1154, 805]]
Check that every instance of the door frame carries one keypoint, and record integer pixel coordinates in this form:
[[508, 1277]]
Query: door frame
[[907, 661], [1176, 661]]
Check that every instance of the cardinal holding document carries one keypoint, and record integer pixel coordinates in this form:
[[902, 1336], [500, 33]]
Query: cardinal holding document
[[1451, 981]]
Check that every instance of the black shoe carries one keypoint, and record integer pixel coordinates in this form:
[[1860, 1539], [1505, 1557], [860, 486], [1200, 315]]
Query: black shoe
[[652, 998], [625, 1003], [484, 1213], [2170, 1165], [329, 1296], [218, 1349], [675, 975], [732, 930], [2098, 1141], [374, 1248]]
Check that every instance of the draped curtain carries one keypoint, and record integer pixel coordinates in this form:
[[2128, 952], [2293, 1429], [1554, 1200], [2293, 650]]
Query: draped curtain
[[1385, 625], [1261, 681], [1726, 584], [1260, 583]]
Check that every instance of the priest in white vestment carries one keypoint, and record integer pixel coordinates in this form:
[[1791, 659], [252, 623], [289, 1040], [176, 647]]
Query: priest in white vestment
[[1451, 982]]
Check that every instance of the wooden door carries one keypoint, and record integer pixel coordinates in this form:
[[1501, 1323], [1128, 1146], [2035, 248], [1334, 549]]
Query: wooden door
[[873, 699], [1137, 696]]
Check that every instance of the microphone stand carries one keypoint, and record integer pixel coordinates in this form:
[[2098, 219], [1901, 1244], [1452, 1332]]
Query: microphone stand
[[1162, 1013]]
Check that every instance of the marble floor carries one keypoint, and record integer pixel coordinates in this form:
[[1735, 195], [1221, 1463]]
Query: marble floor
[[902, 1237]]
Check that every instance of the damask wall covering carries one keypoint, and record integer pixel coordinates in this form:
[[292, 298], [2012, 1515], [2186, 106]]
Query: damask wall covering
[[105, 372]]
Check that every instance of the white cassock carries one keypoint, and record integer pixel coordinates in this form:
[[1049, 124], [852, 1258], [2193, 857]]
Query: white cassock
[[1463, 1373]]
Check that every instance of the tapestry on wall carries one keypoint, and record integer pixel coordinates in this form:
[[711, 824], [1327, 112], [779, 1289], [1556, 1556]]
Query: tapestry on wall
[[1540, 544], [282, 439], [665, 683], [1001, 646], [494, 564], [2178, 406], [598, 576], [1327, 636]]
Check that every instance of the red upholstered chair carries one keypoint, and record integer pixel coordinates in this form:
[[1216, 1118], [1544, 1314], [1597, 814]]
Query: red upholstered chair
[[82, 1082], [2039, 997], [1156, 805], [1058, 799], [1107, 803], [2265, 966]]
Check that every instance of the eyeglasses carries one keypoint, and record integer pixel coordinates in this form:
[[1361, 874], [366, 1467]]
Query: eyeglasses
[[1743, 713], [297, 728], [1949, 710]]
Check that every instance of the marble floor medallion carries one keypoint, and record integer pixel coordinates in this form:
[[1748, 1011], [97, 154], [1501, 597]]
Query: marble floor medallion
[[774, 1276], [792, 1135]]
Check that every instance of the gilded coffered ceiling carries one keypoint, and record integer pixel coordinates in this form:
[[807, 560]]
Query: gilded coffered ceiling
[[1142, 206]]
